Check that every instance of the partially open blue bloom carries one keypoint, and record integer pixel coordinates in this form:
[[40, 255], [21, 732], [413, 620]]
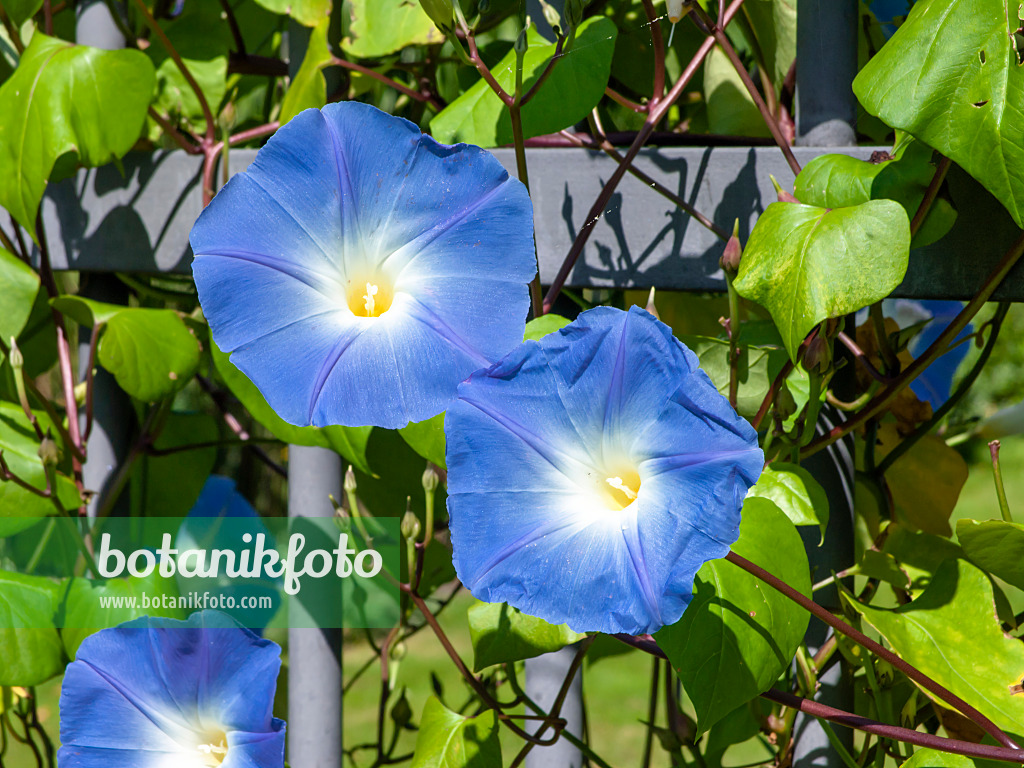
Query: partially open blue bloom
[[359, 270], [592, 473], [160, 693]]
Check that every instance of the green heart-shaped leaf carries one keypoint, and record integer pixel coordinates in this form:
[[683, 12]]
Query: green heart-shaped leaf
[[501, 633], [951, 76], [743, 632], [805, 264], [449, 740], [30, 648], [66, 99], [380, 27]]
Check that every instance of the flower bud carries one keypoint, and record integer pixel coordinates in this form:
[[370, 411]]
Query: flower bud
[[411, 527], [430, 479], [730, 260], [785, 405], [350, 480], [16, 359], [401, 713], [551, 15], [521, 42], [675, 10], [783, 195], [48, 451], [441, 13], [818, 355]]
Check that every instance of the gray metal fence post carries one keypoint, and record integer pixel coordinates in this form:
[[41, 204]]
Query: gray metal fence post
[[314, 655], [112, 411], [826, 113], [826, 55]]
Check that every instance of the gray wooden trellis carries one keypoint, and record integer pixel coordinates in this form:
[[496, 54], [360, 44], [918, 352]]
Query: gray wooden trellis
[[100, 222]]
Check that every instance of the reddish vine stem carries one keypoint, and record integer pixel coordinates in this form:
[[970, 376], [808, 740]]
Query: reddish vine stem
[[956, 746], [863, 640], [930, 194], [545, 74], [211, 125], [657, 110], [862, 358], [90, 379], [412, 94], [7, 476], [253, 133], [67, 374], [621, 100], [174, 134], [658, 43], [1009, 754], [772, 392], [469, 677], [741, 70], [935, 350], [485, 72]]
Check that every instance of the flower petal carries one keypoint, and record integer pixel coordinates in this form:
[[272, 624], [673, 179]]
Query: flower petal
[[350, 196], [535, 442], [162, 684]]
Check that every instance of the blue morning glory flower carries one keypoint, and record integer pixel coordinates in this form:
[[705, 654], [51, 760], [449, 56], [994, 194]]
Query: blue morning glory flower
[[592, 473], [160, 693], [359, 270]]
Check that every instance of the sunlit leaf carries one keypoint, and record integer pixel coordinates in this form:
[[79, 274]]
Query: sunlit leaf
[[575, 86], [449, 740], [795, 492], [151, 352], [996, 546], [30, 648], [66, 99], [20, 286], [951, 76], [839, 181], [380, 27], [951, 633], [308, 89], [805, 264], [307, 12], [427, 439]]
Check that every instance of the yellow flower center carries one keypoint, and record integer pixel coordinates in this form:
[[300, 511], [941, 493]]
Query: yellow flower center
[[621, 489], [215, 750], [370, 297]]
